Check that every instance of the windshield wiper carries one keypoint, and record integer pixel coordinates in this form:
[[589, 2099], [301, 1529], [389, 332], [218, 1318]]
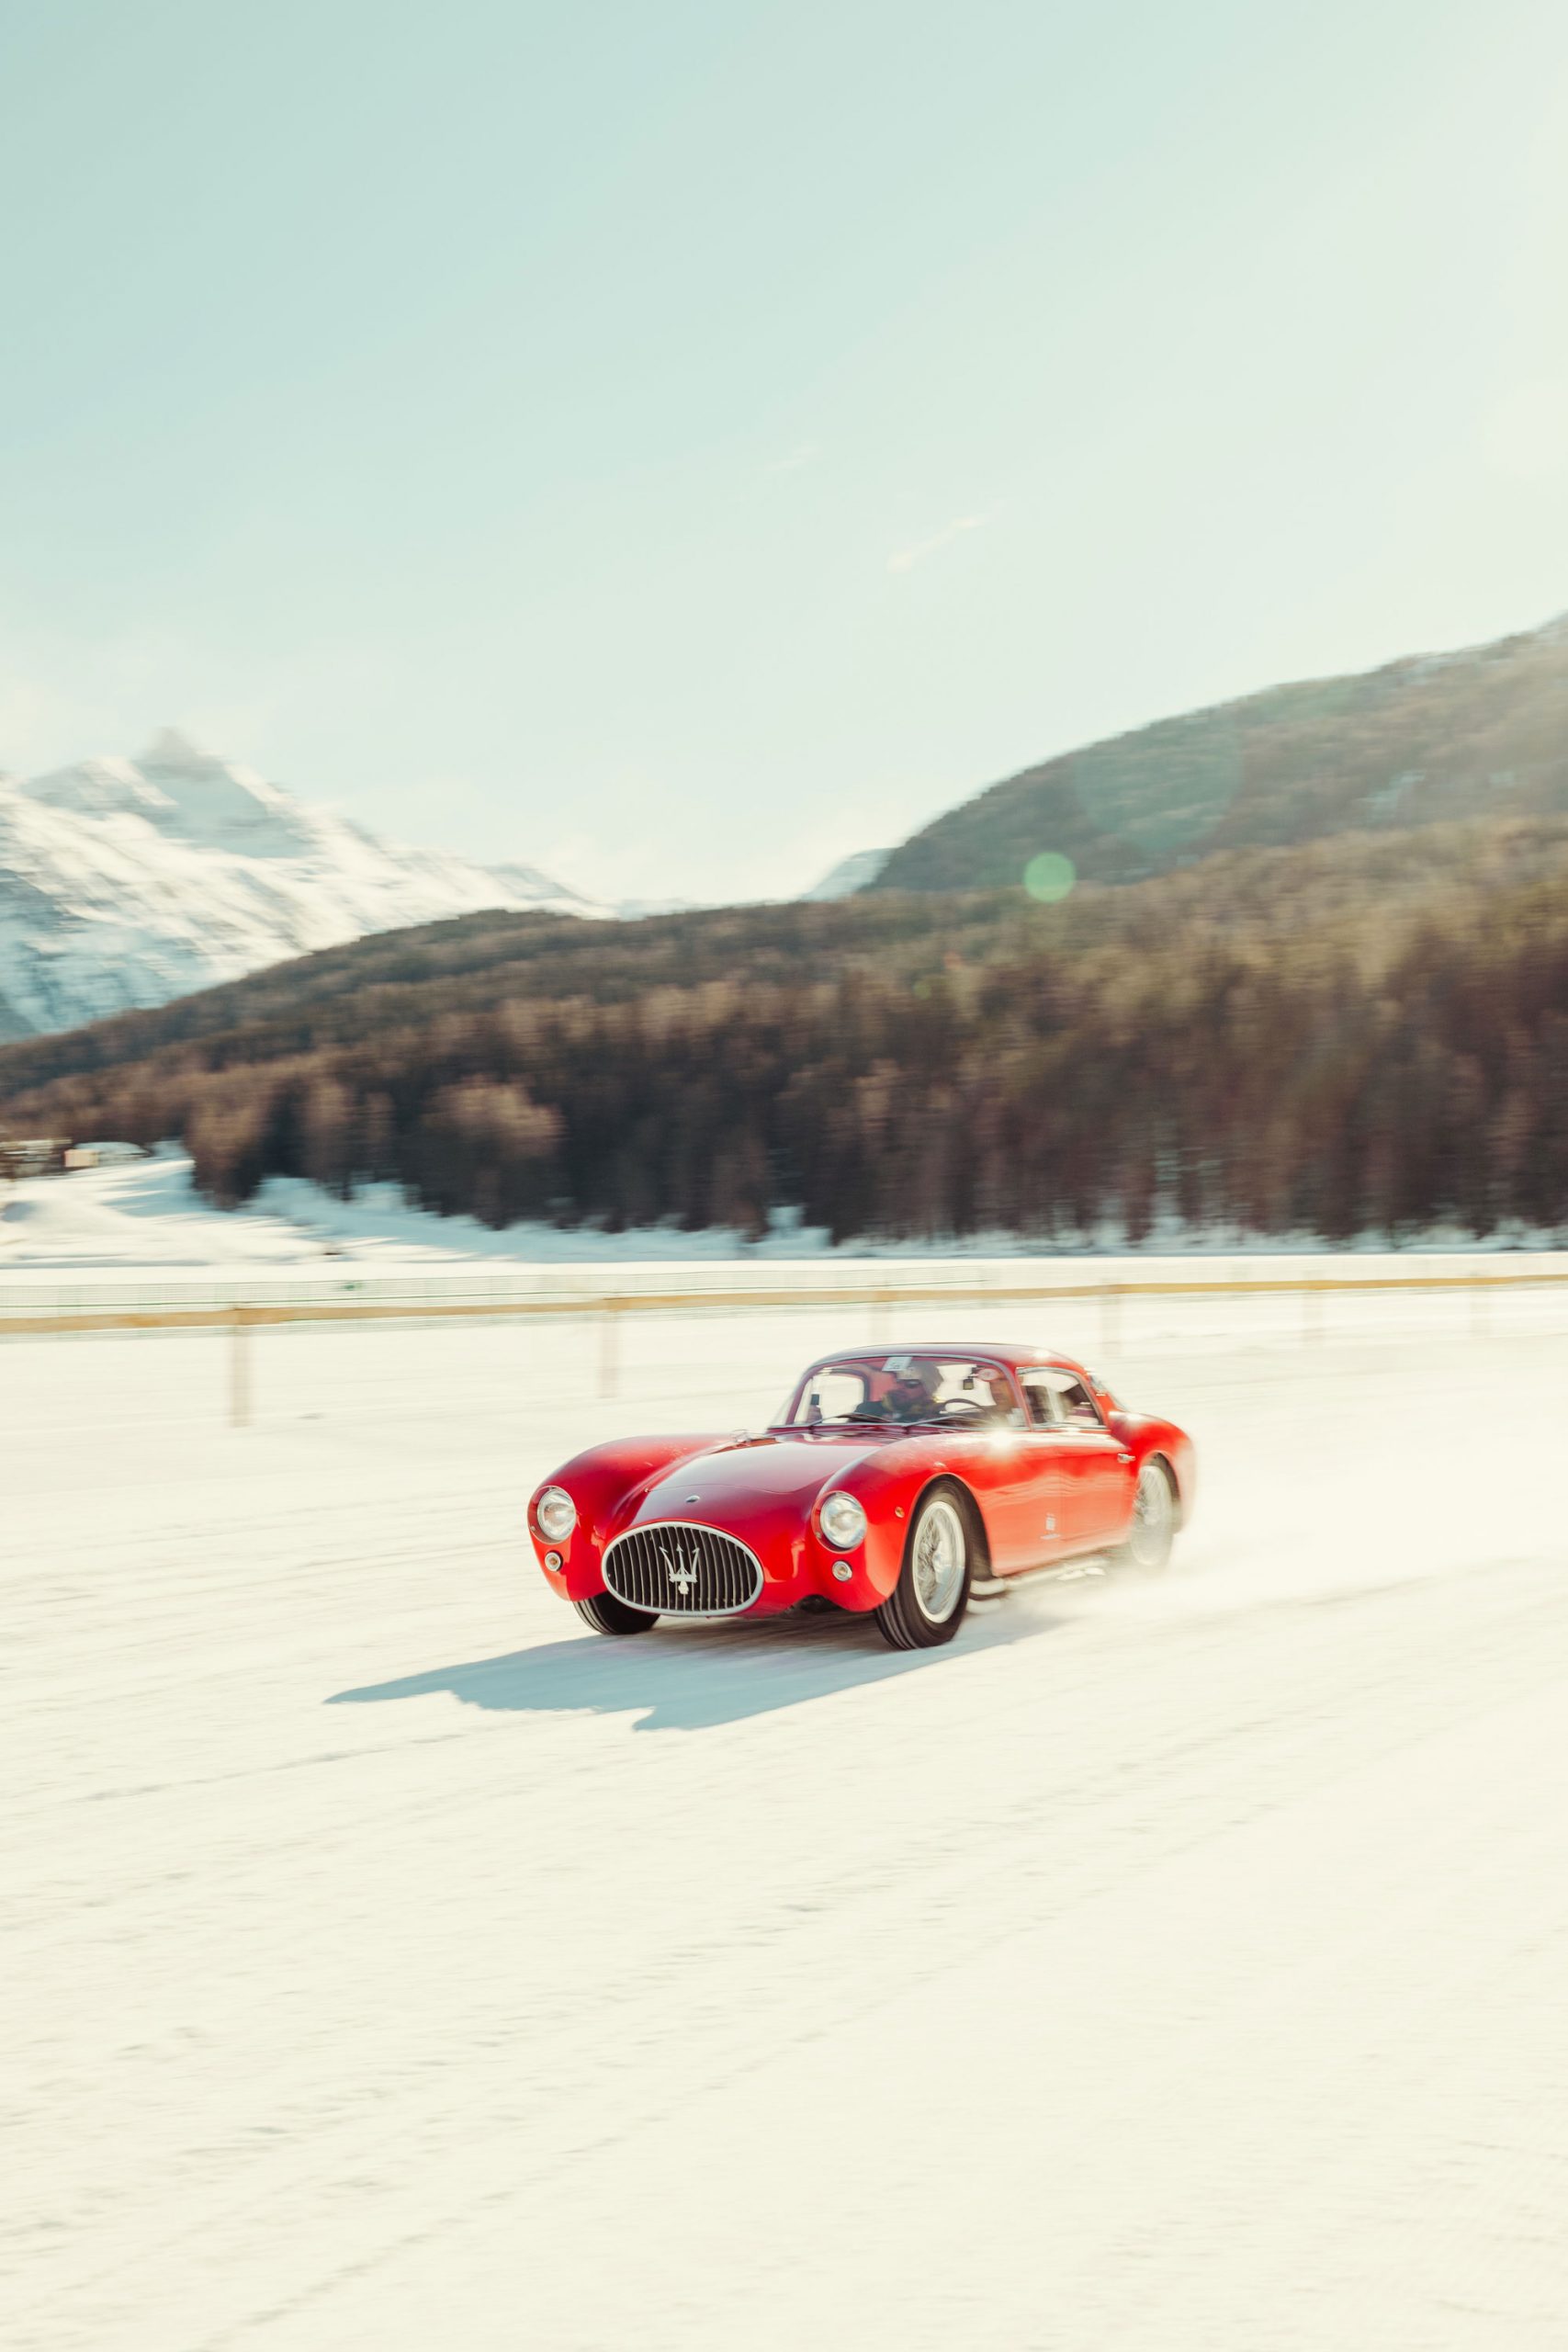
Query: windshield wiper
[[842, 1422]]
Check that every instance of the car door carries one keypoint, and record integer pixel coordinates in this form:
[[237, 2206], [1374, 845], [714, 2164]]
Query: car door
[[1096, 1467], [1031, 1484]]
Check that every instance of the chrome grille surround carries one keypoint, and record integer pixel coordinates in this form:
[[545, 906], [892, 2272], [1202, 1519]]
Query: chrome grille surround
[[679, 1569]]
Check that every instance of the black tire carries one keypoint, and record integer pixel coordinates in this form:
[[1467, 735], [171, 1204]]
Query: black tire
[[608, 1615], [906, 1619], [1147, 1548]]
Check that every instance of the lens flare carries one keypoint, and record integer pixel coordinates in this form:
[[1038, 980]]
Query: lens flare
[[1049, 877]]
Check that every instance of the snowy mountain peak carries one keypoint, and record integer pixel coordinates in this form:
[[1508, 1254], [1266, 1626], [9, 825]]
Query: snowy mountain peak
[[126, 882], [170, 748], [856, 871], [212, 800], [99, 788]]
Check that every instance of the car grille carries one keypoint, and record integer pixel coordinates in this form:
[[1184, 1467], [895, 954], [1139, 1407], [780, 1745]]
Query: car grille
[[682, 1571]]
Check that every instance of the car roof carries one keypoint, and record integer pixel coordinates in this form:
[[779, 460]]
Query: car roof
[[1006, 1351]]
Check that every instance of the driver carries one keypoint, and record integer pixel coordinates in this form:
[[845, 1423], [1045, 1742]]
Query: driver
[[912, 1397]]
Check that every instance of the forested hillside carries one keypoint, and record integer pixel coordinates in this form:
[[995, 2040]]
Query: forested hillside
[[1367, 1033], [1434, 739]]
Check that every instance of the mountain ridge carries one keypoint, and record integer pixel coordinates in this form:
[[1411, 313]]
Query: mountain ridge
[[1428, 739]]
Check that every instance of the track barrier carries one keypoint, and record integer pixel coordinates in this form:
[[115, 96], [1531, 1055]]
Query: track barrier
[[40, 1307]]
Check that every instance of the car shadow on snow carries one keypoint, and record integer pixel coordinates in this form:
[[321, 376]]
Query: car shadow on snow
[[690, 1678]]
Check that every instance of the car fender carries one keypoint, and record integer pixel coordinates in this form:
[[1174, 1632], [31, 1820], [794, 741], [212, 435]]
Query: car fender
[[950, 1477], [606, 1483], [892, 1485], [1144, 1434]]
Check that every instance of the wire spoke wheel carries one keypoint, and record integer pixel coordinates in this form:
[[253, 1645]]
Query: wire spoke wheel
[[928, 1602], [940, 1551]]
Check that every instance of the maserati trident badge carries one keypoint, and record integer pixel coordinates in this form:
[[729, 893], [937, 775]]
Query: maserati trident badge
[[680, 1572]]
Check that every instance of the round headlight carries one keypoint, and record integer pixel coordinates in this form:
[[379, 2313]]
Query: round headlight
[[842, 1521], [555, 1513]]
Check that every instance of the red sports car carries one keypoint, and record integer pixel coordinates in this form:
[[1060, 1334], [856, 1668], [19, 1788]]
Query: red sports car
[[894, 1483]]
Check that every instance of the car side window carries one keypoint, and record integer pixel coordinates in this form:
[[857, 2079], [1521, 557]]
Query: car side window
[[1060, 1400], [1078, 1405]]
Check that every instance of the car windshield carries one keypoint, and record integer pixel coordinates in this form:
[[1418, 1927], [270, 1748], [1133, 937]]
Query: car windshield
[[907, 1389]]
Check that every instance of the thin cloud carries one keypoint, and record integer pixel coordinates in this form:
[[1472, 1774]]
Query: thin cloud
[[905, 558], [806, 455]]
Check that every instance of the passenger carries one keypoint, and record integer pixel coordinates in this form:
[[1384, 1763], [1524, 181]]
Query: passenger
[[1003, 1411]]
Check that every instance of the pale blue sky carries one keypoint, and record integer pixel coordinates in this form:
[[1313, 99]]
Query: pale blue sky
[[683, 443]]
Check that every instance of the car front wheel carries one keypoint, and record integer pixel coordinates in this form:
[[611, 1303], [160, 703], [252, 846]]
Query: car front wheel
[[926, 1606], [608, 1615]]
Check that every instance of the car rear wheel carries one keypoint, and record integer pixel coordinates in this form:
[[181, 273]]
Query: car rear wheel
[[926, 1606], [608, 1615], [1153, 1531]]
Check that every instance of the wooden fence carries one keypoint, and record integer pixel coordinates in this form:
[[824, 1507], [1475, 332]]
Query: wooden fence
[[33, 1307]]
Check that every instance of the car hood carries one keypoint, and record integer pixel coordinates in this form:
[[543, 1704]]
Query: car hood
[[729, 1486]]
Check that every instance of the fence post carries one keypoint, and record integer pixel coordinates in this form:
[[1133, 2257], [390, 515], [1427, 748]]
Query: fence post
[[239, 1369]]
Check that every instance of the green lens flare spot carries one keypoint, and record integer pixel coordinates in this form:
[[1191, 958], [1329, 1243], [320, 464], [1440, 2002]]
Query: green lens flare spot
[[1049, 877]]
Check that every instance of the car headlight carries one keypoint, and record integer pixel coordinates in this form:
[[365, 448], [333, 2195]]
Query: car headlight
[[842, 1521], [555, 1513]]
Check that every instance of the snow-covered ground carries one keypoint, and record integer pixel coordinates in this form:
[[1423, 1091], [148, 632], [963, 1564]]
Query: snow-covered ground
[[146, 1215], [390, 1962]]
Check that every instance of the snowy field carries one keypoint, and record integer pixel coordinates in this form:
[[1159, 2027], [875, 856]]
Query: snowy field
[[392, 1964], [145, 1218], [145, 1215]]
